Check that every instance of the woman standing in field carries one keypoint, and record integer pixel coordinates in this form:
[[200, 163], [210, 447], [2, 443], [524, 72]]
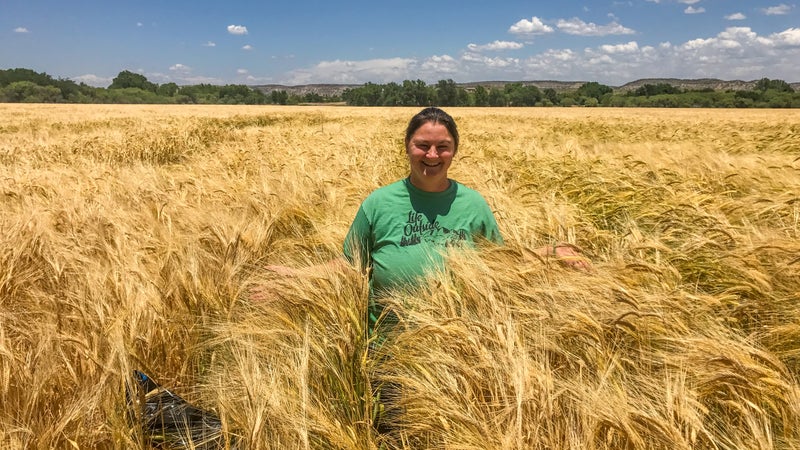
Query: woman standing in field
[[401, 230]]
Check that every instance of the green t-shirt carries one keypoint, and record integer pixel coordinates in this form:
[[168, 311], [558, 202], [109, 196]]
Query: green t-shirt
[[400, 231]]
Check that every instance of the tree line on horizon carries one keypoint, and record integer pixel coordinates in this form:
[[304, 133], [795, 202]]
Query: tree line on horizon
[[27, 86]]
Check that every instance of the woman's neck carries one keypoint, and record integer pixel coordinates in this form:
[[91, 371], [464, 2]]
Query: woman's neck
[[438, 185]]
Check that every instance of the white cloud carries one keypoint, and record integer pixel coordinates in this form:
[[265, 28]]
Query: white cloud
[[688, 2], [533, 26], [247, 47], [501, 62], [180, 68], [495, 46], [731, 38], [561, 55], [780, 10], [739, 52], [552, 64], [356, 72], [21, 30], [578, 27], [493, 63], [736, 16], [734, 53], [210, 44], [444, 65], [693, 10], [237, 29], [139, 24], [790, 37], [630, 47], [242, 71]]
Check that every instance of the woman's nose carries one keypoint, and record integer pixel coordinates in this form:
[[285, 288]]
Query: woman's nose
[[432, 153]]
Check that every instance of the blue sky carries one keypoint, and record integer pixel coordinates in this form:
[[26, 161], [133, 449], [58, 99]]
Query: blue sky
[[322, 41]]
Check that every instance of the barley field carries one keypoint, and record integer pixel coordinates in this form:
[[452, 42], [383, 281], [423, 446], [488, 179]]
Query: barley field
[[133, 237]]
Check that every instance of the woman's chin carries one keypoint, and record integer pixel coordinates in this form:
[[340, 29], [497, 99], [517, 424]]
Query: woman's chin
[[432, 171], [430, 180]]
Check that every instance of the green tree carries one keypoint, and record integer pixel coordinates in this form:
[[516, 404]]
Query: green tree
[[755, 95], [69, 90], [551, 95], [697, 99], [649, 90], [446, 93], [591, 101], [233, 94], [765, 84], [370, 94], [373, 94], [279, 97], [741, 102], [392, 95], [417, 93], [618, 101], [167, 90], [497, 97], [462, 97], [481, 96], [351, 96], [201, 93], [128, 79], [521, 95], [594, 90], [312, 97], [778, 99], [129, 96], [13, 75], [29, 92], [567, 101]]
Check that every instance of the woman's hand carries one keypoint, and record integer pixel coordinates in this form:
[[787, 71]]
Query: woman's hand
[[265, 292], [566, 254], [570, 256], [284, 271], [261, 293]]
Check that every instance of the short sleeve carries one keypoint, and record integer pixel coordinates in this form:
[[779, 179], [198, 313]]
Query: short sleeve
[[491, 231], [357, 245]]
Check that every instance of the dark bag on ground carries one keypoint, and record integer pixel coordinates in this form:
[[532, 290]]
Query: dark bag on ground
[[168, 421]]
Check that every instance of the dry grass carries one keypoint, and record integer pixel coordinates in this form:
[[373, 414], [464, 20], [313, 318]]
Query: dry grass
[[130, 235]]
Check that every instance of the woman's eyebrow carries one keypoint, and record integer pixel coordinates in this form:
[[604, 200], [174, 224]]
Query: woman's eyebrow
[[425, 141]]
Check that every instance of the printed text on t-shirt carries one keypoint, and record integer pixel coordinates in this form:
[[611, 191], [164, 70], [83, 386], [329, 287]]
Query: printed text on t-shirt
[[417, 226]]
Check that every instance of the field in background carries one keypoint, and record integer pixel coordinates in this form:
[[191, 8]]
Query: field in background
[[131, 235]]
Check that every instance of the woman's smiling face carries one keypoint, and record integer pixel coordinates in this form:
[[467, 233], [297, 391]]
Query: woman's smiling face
[[430, 152]]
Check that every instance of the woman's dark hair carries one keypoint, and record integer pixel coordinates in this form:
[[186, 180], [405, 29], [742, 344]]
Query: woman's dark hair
[[433, 115]]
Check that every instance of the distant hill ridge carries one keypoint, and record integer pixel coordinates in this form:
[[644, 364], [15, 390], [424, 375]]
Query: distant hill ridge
[[692, 84]]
